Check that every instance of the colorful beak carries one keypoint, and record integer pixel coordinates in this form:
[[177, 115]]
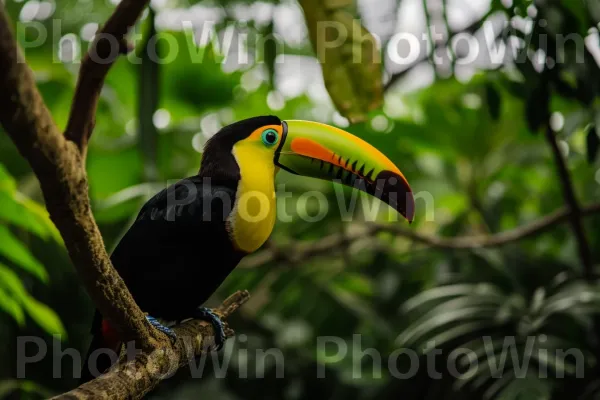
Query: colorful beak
[[325, 152]]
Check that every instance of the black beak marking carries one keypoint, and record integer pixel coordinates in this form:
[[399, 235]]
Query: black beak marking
[[392, 189]]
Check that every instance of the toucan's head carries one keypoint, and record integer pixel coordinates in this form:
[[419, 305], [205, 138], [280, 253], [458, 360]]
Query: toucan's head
[[260, 145]]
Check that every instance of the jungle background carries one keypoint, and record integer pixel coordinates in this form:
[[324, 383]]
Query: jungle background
[[475, 137]]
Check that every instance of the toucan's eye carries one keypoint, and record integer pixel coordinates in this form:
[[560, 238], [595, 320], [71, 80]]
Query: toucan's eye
[[270, 137]]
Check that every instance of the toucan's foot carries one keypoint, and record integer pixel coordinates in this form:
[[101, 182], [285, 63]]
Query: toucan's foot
[[164, 329], [207, 315]]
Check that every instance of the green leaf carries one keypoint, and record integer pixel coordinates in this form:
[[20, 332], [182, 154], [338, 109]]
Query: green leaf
[[40, 214], [593, 143], [11, 307], [421, 330], [349, 57], [510, 387], [14, 297], [9, 386], [12, 249], [538, 300], [14, 213], [443, 292], [11, 282], [460, 330], [23, 212], [11, 212], [45, 317], [12, 294], [7, 182], [570, 303]]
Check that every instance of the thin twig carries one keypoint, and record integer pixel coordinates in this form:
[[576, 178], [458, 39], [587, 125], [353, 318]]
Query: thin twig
[[576, 213], [428, 27], [108, 44], [328, 244], [447, 25], [472, 28]]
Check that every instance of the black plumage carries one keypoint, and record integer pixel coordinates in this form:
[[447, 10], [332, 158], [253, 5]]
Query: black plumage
[[177, 253]]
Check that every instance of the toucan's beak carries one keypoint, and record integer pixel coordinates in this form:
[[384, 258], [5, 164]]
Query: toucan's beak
[[322, 151]]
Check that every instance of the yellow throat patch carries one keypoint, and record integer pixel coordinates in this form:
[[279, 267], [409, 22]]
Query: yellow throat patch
[[253, 216]]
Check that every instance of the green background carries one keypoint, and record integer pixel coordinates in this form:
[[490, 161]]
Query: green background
[[470, 140]]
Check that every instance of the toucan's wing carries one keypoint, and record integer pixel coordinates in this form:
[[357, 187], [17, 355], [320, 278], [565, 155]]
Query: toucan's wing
[[190, 203], [179, 239]]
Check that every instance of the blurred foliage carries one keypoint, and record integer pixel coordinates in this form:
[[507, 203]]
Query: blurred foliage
[[20, 217], [349, 57], [466, 141]]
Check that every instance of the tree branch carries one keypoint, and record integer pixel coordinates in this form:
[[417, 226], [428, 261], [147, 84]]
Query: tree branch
[[108, 44], [330, 243], [59, 163], [470, 29], [428, 28], [576, 213], [134, 378], [59, 167]]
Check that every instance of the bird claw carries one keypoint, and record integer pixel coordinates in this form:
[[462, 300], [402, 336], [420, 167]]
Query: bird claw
[[208, 315], [162, 328]]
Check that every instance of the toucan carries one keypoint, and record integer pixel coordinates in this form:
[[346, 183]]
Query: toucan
[[191, 235]]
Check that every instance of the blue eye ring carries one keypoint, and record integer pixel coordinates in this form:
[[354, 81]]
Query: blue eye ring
[[270, 137]]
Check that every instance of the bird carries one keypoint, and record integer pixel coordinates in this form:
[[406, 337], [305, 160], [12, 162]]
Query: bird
[[191, 235]]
